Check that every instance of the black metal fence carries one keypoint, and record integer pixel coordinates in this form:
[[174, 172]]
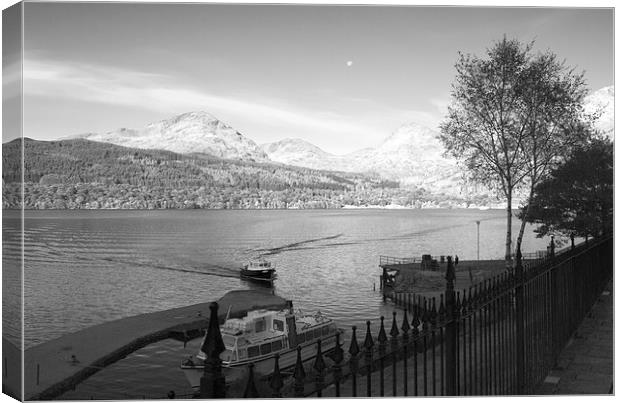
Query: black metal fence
[[499, 337]]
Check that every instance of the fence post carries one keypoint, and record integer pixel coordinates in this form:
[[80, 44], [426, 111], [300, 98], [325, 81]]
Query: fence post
[[319, 369], [353, 364], [450, 341], [368, 345], [552, 246], [276, 382], [212, 383], [405, 328], [250, 388], [338, 356], [299, 374], [382, 339], [520, 331], [394, 344]]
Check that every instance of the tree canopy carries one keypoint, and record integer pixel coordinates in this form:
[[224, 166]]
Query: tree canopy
[[514, 114], [577, 198]]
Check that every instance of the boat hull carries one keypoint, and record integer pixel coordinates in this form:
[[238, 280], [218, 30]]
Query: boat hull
[[264, 365], [258, 275]]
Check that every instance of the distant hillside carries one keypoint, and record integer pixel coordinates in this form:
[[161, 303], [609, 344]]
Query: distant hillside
[[86, 174], [187, 133], [412, 156]]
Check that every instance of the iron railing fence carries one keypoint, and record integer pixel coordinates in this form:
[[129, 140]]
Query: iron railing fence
[[499, 337]]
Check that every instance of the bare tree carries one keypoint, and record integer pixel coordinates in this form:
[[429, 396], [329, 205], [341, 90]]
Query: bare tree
[[511, 116], [557, 122]]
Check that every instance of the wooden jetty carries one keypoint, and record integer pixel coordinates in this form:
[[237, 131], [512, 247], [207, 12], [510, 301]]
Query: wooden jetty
[[425, 275], [53, 367]]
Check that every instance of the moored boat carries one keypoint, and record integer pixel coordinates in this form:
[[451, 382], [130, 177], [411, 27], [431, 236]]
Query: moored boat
[[257, 337]]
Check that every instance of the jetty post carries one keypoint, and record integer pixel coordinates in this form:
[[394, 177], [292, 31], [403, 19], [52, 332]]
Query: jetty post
[[212, 383]]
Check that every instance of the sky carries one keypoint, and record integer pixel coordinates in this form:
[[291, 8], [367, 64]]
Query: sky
[[340, 77]]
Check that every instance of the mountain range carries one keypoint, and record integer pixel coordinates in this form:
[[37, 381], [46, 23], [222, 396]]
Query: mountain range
[[412, 155], [192, 132]]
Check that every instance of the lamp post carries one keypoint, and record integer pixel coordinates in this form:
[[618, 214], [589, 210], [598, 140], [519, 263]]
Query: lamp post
[[478, 238]]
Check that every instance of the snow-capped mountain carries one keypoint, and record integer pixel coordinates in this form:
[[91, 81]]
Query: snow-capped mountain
[[187, 133], [296, 152], [412, 155], [601, 103]]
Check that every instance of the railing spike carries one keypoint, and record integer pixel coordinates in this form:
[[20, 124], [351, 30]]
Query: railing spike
[[354, 349], [368, 342], [250, 387], [276, 382], [299, 373], [319, 363], [394, 330], [213, 345], [212, 383], [338, 354], [405, 327], [382, 335]]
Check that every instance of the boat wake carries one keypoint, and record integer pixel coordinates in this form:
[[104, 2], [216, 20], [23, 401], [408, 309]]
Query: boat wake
[[297, 245], [222, 270]]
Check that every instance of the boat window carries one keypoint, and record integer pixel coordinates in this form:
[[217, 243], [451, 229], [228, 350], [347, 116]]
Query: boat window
[[317, 333], [229, 340], [260, 325], [253, 351], [228, 355], [242, 353], [276, 345], [325, 330], [301, 337], [265, 348], [278, 325]]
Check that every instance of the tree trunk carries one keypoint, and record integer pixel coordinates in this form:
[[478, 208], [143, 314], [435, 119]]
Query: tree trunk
[[508, 254], [526, 211]]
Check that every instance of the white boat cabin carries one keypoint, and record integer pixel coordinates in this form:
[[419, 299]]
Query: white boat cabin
[[259, 264], [263, 333]]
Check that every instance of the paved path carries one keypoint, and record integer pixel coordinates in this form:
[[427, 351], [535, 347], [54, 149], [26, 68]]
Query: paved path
[[49, 369], [586, 365]]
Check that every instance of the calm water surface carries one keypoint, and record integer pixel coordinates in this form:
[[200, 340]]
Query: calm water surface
[[82, 268]]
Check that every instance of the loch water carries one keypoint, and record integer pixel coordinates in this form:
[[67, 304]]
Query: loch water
[[82, 268]]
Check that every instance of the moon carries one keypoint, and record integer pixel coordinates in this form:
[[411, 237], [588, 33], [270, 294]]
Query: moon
[[349, 63]]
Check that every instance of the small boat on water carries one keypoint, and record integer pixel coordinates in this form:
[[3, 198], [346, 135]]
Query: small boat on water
[[258, 270], [257, 337]]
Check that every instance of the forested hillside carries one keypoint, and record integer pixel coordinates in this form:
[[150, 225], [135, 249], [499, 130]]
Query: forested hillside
[[80, 173]]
